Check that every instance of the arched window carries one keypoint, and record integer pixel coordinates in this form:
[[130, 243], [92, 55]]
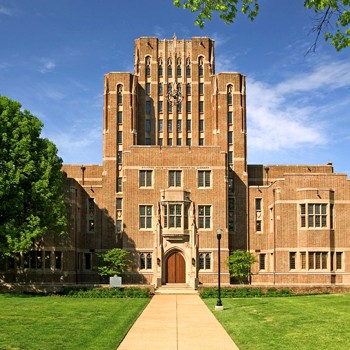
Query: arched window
[[149, 261], [229, 94], [178, 67], [160, 67], [204, 261], [142, 261], [200, 67], [148, 66], [120, 94], [188, 68], [170, 68]]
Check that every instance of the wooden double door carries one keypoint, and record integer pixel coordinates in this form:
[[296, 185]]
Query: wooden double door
[[175, 269]]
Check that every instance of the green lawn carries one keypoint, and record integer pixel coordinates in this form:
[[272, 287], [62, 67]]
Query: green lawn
[[42, 323], [300, 322]]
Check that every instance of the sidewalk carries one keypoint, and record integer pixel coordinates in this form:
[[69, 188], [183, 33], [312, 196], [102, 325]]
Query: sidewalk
[[177, 322]]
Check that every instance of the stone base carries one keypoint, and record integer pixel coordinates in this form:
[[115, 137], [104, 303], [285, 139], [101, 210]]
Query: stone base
[[219, 308]]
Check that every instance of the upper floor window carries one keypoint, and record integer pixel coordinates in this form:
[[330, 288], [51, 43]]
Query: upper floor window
[[145, 178], [175, 178], [188, 106], [148, 88], [188, 89], [188, 67], [120, 137], [160, 125], [188, 125], [148, 66], [201, 125], [178, 68], [170, 68], [313, 215], [204, 178], [230, 137], [160, 106], [201, 106], [120, 117], [229, 117], [160, 88], [204, 216], [148, 107], [201, 88], [200, 67], [258, 214], [229, 94], [119, 184], [145, 216], [148, 125], [120, 94]]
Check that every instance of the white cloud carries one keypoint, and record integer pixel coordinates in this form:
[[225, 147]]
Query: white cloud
[[46, 65], [5, 11]]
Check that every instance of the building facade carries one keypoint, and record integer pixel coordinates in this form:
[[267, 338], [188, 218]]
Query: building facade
[[175, 174]]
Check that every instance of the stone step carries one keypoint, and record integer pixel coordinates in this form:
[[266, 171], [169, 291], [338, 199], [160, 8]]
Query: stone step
[[175, 288]]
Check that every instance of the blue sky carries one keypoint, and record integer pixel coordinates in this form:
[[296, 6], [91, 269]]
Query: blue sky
[[54, 53]]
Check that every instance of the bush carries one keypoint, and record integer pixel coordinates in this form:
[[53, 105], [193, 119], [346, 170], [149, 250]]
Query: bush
[[106, 293], [207, 293]]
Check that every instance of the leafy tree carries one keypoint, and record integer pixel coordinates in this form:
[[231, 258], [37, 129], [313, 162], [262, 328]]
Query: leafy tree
[[31, 181], [329, 14], [239, 264], [115, 262]]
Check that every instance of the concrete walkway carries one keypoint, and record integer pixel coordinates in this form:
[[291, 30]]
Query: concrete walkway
[[177, 322]]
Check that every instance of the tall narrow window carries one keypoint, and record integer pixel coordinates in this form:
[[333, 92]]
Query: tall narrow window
[[160, 88], [303, 260], [339, 260], [170, 69], [200, 67], [175, 178], [119, 184], [145, 216], [160, 67], [120, 137], [204, 216], [188, 71], [201, 106], [119, 157], [179, 125], [229, 94], [188, 89], [148, 107], [201, 125], [230, 137], [292, 258], [58, 260], [160, 125], [178, 68], [188, 106], [148, 66], [120, 117], [188, 125], [148, 88], [170, 125], [148, 125], [229, 117], [120, 94], [201, 88], [258, 214], [262, 261]]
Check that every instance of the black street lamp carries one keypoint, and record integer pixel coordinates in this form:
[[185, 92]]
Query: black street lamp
[[218, 305]]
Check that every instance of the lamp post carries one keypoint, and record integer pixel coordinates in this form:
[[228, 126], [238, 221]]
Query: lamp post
[[218, 305]]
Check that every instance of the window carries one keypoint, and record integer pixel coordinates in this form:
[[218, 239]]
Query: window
[[148, 88], [179, 125], [204, 216], [91, 225], [200, 67], [188, 89], [188, 141], [170, 141], [145, 216], [175, 217], [229, 94], [160, 106], [292, 258], [160, 125], [230, 157], [148, 66], [145, 178], [170, 107], [160, 68], [175, 178], [188, 71], [201, 88], [201, 125], [179, 141], [229, 137], [258, 214], [47, 260], [170, 125], [170, 71], [160, 89], [160, 141], [189, 125], [188, 106], [120, 94], [178, 70], [145, 261], [201, 141], [318, 260], [120, 137], [58, 260], [303, 260], [119, 157], [339, 260], [262, 261], [148, 107], [231, 183], [179, 107], [229, 117], [204, 178], [119, 184], [313, 215], [201, 106], [205, 261], [148, 125], [87, 261], [147, 141], [120, 117]]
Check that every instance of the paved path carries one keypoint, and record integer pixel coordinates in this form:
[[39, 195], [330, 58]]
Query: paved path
[[177, 322]]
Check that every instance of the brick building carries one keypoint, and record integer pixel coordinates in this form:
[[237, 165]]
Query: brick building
[[175, 173]]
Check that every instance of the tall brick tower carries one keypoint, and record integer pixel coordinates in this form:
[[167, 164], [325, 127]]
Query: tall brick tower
[[174, 162]]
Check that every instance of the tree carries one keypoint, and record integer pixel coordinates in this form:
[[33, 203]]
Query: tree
[[329, 14], [31, 181], [239, 264], [115, 262]]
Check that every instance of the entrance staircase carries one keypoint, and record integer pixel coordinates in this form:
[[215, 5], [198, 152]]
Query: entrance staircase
[[175, 288]]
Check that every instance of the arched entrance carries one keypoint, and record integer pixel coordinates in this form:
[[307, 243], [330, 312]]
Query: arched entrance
[[175, 268]]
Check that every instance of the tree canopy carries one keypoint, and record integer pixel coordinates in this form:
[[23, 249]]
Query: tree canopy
[[332, 16], [31, 181], [239, 264], [114, 262]]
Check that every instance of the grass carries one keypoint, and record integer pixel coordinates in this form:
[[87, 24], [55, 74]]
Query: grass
[[37, 322], [319, 322]]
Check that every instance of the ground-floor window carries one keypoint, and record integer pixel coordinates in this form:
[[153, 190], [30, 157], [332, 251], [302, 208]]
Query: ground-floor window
[[205, 261], [145, 261]]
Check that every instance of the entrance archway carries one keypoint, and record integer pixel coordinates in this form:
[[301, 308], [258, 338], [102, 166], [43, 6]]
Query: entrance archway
[[175, 268]]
